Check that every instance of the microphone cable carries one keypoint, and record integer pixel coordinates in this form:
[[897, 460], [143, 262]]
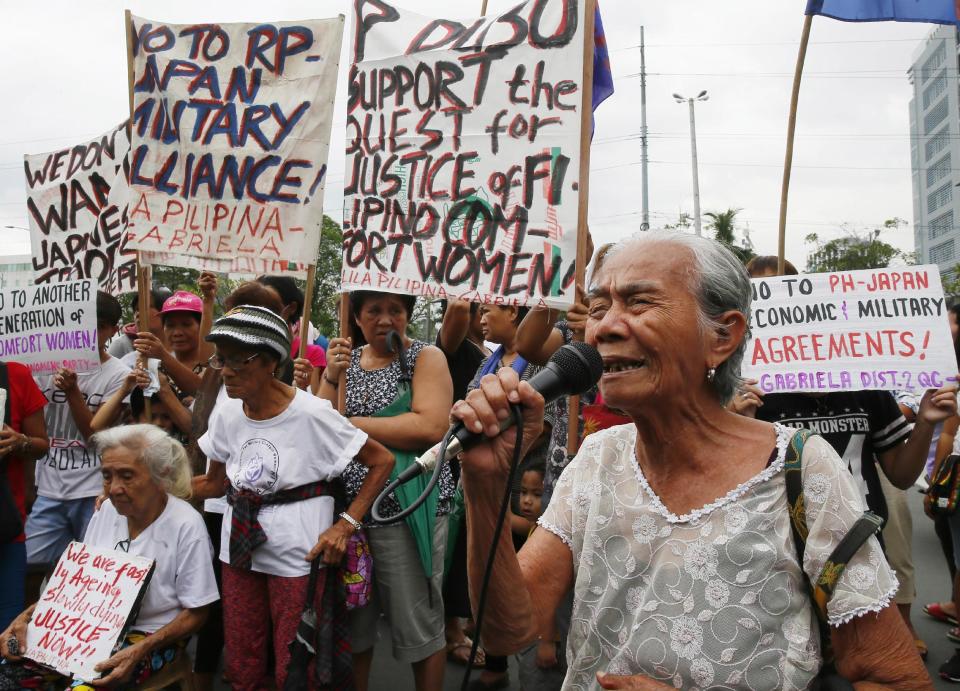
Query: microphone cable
[[388, 490], [517, 413]]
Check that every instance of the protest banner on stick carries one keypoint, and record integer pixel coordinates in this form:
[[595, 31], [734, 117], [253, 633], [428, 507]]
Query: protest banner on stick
[[231, 126], [463, 147], [307, 305], [75, 229], [50, 325], [586, 132], [86, 609], [881, 329]]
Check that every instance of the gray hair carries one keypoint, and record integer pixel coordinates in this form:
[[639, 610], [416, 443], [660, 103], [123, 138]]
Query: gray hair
[[720, 283], [163, 455]]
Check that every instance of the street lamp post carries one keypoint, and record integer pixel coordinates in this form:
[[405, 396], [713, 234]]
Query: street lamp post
[[702, 96]]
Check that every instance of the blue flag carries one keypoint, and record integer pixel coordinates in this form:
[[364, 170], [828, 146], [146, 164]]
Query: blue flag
[[602, 75], [930, 11]]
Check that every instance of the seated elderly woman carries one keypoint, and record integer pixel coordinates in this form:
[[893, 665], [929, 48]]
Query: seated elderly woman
[[146, 479], [674, 531]]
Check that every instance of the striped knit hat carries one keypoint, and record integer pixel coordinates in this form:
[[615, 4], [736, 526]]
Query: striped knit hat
[[254, 327]]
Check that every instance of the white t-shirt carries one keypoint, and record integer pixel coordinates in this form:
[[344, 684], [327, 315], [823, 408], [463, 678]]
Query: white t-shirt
[[70, 470], [308, 442], [217, 504], [178, 542], [715, 597]]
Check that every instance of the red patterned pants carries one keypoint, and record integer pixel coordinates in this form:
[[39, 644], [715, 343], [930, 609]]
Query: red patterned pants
[[255, 606]]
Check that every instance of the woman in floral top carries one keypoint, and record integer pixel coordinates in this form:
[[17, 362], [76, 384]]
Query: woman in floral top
[[673, 532]]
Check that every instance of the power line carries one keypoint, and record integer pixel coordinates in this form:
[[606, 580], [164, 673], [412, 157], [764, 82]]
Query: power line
[[769, 43]]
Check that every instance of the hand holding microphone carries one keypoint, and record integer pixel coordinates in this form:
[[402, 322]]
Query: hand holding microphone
[[486, 413]]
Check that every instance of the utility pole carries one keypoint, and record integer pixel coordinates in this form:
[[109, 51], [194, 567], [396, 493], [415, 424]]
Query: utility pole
[[702, 96], [644, 156]]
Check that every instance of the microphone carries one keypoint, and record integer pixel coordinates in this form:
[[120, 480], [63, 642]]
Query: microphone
[[572, 370]]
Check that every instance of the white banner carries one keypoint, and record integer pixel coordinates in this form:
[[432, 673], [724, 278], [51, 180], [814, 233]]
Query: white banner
[[229, 145], [881, 329], [75, 229], [86, 608], [463, 153], [50, 326]]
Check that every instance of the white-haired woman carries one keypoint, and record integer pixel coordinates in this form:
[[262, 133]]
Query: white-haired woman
[[674, 531], [146, 479]]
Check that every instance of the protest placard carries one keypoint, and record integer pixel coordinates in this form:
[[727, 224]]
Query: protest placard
[[86, 608], [847, 331], [231, 128], [50, 325], [75, 229], [463, 153]]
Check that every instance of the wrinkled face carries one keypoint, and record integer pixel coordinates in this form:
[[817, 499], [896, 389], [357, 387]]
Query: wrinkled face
[[246, 373], [128, 483], [497, 323], [182, 332], [379, 316], [643, 318], [531, 495]]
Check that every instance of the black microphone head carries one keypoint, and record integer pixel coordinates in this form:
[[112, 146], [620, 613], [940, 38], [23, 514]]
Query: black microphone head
[[581, 365]]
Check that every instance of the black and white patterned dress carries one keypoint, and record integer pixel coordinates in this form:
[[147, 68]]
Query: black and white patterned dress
[[369, 392]]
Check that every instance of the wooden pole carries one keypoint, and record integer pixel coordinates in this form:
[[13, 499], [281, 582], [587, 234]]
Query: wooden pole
[[344, 333], [791, 130], [483, 8], [143, 272], [307, 307], [586, 134]]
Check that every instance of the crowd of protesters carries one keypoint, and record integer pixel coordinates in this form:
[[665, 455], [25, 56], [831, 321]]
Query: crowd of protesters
[[663, 554]]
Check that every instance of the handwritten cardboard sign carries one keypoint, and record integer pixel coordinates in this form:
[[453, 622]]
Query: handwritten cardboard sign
[[50, 325], [231, 130], [75, 228], [881, 329], [463, 153], [86, 608]]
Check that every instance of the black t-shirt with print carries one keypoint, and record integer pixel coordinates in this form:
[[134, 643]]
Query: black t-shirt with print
[[859, 425]]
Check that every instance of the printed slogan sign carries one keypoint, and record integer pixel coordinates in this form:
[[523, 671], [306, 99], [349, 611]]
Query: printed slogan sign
[[85, 609], [49, 326], [75, 226], [878, 329], [463, 153], [231, 129]]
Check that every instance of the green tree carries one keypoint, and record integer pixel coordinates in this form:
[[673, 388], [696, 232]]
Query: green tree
[[723, 225], [855, 250], [326, 292]]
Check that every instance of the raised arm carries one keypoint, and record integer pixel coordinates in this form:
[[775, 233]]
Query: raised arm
[[207, 283], [903, 465], [525, 590], [427, 421], [455, 326], [109, 411]]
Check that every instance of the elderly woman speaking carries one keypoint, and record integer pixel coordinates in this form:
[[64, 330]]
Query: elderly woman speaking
[[146, 477], [674, 531]]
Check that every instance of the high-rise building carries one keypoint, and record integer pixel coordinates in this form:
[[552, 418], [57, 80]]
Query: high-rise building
[[935, 149]]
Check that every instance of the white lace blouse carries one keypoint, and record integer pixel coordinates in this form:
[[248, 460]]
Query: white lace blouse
[[715, 598]]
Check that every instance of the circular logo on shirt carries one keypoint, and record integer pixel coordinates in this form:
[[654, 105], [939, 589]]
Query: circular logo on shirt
[[259, 465]]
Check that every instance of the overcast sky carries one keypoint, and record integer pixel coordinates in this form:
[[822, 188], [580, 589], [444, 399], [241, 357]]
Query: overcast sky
[[64, 81]]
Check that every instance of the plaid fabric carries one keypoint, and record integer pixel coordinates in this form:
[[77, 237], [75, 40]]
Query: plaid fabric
[[334, 663], [246, 533]]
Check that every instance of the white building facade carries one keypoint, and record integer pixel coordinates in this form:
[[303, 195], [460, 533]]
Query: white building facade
[[935, 150]]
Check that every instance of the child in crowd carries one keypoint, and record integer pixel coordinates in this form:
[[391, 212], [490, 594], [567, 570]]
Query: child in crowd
[[539, 665]]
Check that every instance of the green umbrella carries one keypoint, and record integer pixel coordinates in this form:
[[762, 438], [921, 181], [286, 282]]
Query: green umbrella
[[423, 520]]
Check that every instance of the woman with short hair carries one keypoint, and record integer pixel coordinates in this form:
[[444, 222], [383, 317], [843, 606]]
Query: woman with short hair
[[399, 392], [146, 479], [281, 449]]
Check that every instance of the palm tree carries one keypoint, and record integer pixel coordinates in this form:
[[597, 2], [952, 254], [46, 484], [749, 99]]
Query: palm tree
[[722, 223]]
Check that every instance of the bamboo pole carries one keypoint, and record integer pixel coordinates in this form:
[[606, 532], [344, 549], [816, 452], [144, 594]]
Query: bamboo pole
[[307, 308], [143, 272], [791, 131], [483, 8], [344, 333], [586, 133]]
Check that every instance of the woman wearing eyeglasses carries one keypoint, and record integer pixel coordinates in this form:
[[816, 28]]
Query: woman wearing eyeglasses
[[146, 478], [279, 447]]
